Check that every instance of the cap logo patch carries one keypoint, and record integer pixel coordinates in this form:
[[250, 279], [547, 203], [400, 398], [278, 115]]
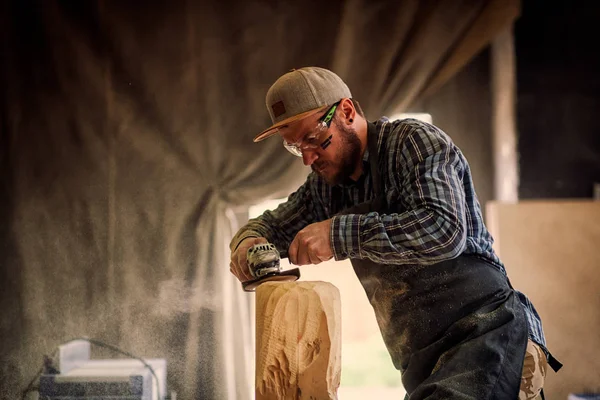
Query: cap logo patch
[[278, 109]]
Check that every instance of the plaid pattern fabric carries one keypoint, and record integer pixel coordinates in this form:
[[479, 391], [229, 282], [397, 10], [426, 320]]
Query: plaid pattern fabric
[[433, 215]]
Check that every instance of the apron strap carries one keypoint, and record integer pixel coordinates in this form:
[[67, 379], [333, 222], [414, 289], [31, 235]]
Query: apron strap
[[372, 144], [554, 363]]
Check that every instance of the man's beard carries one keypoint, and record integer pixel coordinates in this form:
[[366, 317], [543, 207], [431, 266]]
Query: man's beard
[[348, 155]]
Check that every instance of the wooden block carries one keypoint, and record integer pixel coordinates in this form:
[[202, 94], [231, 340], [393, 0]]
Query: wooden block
[[298, 341]]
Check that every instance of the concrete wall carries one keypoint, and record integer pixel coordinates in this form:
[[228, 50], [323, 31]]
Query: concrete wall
[[551, 252]]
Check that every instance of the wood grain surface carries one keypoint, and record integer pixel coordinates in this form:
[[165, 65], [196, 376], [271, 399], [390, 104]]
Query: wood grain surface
[[298, 341]]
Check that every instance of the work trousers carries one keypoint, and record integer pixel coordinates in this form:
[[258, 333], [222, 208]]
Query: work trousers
[[534, 372]]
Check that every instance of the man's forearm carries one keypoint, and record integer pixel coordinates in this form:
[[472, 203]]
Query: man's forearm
[[281, 225], [260, 227], [422, 237], [252, 229], [240, 236]]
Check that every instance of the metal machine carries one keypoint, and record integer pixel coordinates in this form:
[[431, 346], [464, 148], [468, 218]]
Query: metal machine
[[81, 378], [264, 265]]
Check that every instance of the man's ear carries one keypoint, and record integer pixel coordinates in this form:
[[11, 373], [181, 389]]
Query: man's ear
[[348, 111]]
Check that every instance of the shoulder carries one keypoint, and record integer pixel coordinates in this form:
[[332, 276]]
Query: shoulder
[[411, 137], [397, 134]]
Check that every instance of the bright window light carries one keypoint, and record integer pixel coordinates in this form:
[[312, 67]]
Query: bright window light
[[420, 116], [367, 369]]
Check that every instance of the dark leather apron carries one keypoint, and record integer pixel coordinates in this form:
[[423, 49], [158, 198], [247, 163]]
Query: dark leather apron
[[455, 329]]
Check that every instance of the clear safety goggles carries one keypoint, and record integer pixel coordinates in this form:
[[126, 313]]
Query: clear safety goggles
[[318, 137]]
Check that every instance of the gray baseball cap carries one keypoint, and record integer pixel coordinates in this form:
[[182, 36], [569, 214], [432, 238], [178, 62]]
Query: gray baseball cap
[[301, 93]]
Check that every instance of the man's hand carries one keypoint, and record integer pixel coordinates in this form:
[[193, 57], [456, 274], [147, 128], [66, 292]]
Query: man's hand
[[239, 263], [312, 245]]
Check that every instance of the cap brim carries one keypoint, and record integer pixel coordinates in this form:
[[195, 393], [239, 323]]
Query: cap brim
[[272, 130]]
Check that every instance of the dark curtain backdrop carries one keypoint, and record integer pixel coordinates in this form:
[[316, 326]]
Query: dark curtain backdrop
[[126, 134], [558, 87]]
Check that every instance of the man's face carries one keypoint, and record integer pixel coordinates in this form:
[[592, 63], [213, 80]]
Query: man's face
[[337, 161]]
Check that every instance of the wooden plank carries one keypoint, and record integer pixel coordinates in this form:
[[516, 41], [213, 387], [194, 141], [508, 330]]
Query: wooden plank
[[550, 248], [298, 341]]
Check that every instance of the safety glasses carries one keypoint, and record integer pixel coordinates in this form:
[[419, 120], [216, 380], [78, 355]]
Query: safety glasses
[[318, 137]]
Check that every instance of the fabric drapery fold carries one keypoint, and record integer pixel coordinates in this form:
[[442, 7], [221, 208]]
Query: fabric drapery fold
[[392, 54], [127, 142]]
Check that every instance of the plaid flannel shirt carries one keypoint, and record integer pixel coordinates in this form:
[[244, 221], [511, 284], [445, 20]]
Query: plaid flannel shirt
[[434, 212]]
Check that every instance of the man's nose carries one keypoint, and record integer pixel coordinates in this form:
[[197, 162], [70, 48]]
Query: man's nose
[[309, 157]]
